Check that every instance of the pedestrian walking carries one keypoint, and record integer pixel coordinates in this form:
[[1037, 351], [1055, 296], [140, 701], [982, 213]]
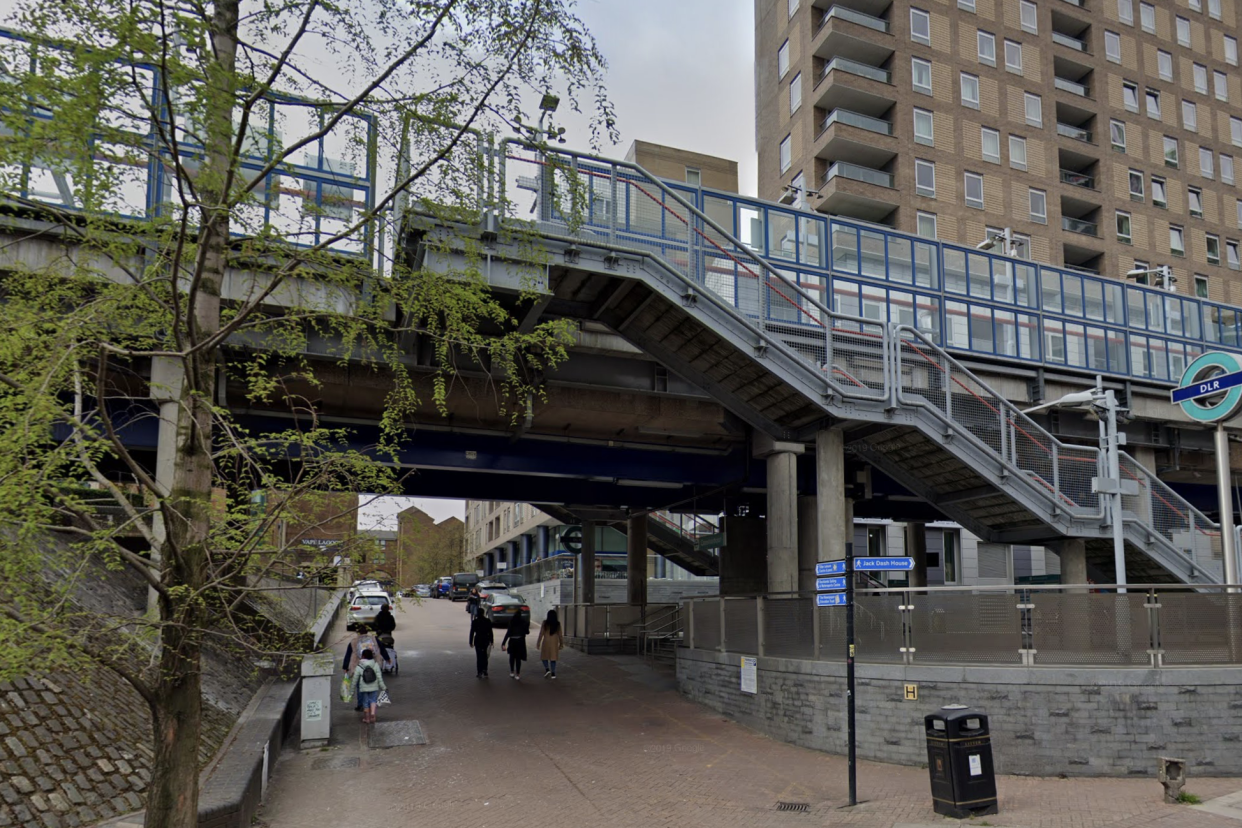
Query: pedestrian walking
[[481, 638], [384, 621], [550, 642], [515, 642], [472, 601], [364, 640], [369, 679]]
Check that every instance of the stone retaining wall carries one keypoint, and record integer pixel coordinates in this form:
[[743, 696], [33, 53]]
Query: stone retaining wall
[[1045, 721]]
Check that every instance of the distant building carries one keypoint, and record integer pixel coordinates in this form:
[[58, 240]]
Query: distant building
[[425, 550], [692, 168]]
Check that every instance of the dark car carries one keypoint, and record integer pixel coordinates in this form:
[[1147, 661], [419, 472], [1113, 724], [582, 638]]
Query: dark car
[[462, 582], [500, 607]]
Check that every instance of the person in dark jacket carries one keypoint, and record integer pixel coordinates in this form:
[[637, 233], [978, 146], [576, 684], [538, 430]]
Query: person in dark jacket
[[515, 642], [384, 622], [481, 638], [472, 601]]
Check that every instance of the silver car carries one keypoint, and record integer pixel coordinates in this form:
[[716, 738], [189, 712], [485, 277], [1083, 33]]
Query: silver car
[[364, 606]]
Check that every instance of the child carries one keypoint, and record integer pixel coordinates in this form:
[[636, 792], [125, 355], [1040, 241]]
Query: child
[[369, 681]]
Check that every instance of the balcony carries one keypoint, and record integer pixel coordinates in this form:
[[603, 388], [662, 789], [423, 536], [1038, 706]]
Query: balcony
[[848, 33], [862, 192], [1077, 179], [1073, 87], [1079, 3], [853, 137], [1077, 133], [1079, 226], [1069, 42], [854, 86], [853, 67]]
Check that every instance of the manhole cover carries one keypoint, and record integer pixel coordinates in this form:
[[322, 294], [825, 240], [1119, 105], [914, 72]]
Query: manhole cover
[[396, 734], [798, 807], [335, 763]]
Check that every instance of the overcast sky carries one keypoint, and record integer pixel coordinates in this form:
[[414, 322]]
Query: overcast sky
[[681, 73]]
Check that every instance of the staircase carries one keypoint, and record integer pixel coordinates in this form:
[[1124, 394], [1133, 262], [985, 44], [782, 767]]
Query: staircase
[[677, 285], [664, 536]]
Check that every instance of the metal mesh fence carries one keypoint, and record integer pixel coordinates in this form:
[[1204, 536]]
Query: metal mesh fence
[[787, 627], [1087, 628], [879, 633], [832, 634], [741, 630], [971, 628], [1201, 629], [1185, 528], [706, 622]]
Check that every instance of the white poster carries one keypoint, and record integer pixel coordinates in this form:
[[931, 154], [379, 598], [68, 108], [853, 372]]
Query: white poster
[[976, 765], [750, 675], [314, 710]]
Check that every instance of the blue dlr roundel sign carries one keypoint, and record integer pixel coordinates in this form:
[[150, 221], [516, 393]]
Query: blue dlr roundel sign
[[1211, 387]]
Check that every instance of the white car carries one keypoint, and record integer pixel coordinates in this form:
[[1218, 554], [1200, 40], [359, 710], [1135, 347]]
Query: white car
[[364, 606]]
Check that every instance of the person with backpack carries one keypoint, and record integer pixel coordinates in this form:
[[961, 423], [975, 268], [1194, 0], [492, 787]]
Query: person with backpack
[[515, 641], [481, 638], [369, 681], [364, 640], [550, 643]]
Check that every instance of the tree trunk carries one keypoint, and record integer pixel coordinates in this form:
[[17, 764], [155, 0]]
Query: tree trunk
[[172, 799]]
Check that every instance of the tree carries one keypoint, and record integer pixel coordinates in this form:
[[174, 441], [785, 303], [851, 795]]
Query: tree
[[199, 177], [428, 549]]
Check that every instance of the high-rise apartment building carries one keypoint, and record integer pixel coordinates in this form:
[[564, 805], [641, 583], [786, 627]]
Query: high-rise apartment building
[[1104, 133]]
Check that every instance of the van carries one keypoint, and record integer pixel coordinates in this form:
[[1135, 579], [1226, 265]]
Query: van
[[462, 582]]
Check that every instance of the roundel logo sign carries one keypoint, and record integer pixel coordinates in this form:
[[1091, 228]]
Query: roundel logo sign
[[1211, 387]]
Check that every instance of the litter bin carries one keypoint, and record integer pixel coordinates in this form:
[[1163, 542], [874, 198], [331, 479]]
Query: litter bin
[[959, 761]]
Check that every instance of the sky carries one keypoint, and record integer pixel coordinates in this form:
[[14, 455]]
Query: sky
[[680, 73]]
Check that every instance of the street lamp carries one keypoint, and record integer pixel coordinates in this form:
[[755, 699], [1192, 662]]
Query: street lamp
[[1011, 242], [1164, 275], [1100, 401]]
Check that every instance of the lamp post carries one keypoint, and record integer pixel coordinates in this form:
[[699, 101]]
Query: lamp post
[[1164, 275], [1010, 241], [1104, 402]]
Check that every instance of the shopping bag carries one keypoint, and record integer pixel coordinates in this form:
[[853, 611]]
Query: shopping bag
[[347, 688], [383, 698]]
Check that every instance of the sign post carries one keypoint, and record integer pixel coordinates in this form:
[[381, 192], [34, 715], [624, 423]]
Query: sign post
[[849, 670]]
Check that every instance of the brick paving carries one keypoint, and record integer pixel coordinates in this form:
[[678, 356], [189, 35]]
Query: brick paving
[[611, 743]]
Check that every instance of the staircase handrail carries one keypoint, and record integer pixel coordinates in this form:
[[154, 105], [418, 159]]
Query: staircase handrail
[[824, 373]]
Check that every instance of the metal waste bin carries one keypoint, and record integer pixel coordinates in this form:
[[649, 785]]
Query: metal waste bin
[[959, 761]]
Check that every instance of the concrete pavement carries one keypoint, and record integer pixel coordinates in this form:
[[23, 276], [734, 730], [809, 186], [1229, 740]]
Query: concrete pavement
[[611, 743]]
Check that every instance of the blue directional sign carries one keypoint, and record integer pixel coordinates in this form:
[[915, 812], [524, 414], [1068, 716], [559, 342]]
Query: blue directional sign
[[830, 599], [822, 584], [1208, 387], [883, 564], [830, 568]]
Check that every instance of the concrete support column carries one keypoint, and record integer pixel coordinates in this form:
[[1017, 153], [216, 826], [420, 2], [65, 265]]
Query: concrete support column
[[636, 560], [808, 542], [586, 567], [1073, 555], [526, 550], [916, 547], [541, 541], [782, 517], [836, 511], [489, 563]]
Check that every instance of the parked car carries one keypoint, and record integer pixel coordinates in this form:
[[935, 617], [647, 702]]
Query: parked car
[[364, 606], [462, 582], [500, 607], [442, 586], [422, 591], [492, 585]]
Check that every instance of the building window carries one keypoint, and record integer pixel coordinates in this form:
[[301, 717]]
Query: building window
[[1190, 116], [786, 153], [1034, 110], [926, 225], [1214, 9], [987, 48], [1112, 46], [1239, 212], [920, 26], [1147, 17], [1183, 31], [1235, 131], [1129, 92], [795, 93], [1231, 50], [924, 127], [1013, 56], [1231, 255], [1117, 134], [793, 6], [966, 5], [782, 60], [1136, 185], [920, 75], [1195, 5], [1164, 64], [1153, 103], [1199, 72], [1177, 240], [970, 90], [1201, 286], [1194, 199], [1159, 196], [1226, 169], [1170, 152], [925, 178], [991, 145], [1205, 163], [1039, 206], [1030, 17], [1213, 248], [974, 190], [1125, 11], [1123, 227], [1017, 152], [1220, 82], [694, 177]]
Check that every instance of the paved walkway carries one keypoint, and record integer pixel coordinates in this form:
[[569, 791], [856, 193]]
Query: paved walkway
[[611, 744]]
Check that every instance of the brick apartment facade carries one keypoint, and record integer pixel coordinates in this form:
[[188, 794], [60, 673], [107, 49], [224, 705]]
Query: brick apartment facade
[[1105, 133]]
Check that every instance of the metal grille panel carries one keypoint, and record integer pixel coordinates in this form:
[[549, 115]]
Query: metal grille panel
[[1201, 629], [972, 628], [1085, 628], [706, 623], [878, 631], [787, 628], [741, 631]]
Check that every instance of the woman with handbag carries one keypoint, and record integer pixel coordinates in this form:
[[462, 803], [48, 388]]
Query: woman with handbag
[[550, 643], [515, 641]]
